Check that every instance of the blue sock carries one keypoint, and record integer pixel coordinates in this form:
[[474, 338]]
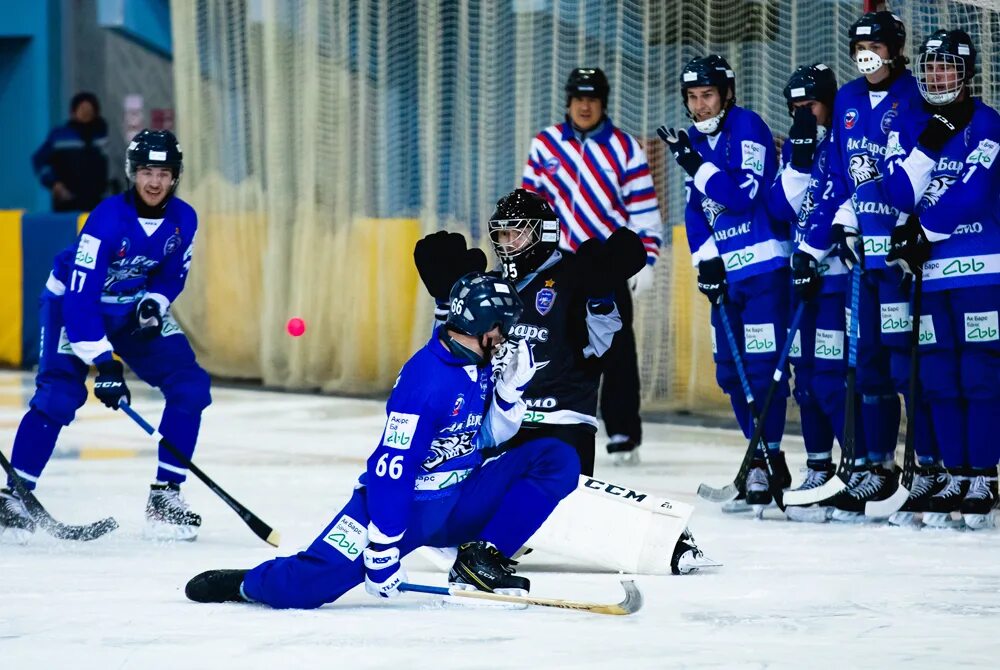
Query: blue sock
[[880, 419], [33, 446], [741, 410], [950, 428], [984, 447], [816, 432], [181, 429]]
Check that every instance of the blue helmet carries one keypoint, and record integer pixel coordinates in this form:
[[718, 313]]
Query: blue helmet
[[811, 82], [481, 302]]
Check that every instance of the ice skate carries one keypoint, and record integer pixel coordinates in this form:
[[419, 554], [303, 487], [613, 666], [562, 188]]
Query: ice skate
[[878, 483], [623, 451], [944, 506], [758, 493], [835, 506], [688, 558], [817, 474], [481, 567], [168, 516], [978, 508], [926, 482], [16, 525], [737, 505], [217, 586]]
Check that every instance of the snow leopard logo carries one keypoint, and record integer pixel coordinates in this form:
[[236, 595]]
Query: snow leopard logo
[[712, 210], [863, 169], [935, 189], [808, 205], [446, 448]]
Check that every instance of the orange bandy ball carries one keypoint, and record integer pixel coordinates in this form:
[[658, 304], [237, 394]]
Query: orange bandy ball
[[296, 326]]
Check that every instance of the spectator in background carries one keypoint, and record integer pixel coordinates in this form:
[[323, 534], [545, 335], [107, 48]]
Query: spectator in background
[[73, 160], [596, 178]]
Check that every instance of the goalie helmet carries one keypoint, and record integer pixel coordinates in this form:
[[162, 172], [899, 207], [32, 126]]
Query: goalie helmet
[[533, 232], [884, 27], [588, 82], [811, 82], [711, 70], [947, 61], [157, 148]]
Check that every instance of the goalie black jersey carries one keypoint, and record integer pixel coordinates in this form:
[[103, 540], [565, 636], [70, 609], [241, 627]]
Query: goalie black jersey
[[564, 389]]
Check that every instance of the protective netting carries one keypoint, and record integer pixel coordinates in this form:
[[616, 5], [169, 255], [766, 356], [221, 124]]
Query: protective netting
[[323, 138]]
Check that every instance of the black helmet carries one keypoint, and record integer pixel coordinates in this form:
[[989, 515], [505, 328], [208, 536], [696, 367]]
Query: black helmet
[[951, 48], [154, 148], [538, 229], [711, 70], [884, 27], [588, 82], [811, 82]]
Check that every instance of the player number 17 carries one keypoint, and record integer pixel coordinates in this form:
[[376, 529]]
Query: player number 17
[[76, 281]]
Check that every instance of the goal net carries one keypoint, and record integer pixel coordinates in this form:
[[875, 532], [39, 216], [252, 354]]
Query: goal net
[[323, 138]]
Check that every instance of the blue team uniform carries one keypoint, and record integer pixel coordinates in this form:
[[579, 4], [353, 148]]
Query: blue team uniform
[[726, 215], [818, 350], [88, 311], [955, 194], [427, 484], [861, 123]]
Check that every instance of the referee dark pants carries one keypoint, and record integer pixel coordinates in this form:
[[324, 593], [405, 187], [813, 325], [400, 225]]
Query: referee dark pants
[[620, 381]]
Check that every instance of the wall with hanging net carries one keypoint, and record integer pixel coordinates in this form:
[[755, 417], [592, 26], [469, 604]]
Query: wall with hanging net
[[323, 138]]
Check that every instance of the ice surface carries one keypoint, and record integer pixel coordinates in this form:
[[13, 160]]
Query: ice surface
[[789, 596]]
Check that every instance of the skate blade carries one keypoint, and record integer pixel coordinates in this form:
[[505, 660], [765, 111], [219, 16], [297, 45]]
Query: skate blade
[[845, 516], [735, 506], [906, 519], [808, 514], [758, 511], [625, 458], [19, 536], [159, 531], [476, 603], [686, 565], [980, 521], [941, 520]]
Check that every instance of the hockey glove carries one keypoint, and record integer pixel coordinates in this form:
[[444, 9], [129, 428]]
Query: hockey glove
[[680, 147], [805, 276], [383, 571], [909, 247], [845, 244], [712, 280], [803, 139], [641, 281], [518, 368], [442, 259], [109, 387], [149, 320], [597, 276], [626, 255], [947, 122]]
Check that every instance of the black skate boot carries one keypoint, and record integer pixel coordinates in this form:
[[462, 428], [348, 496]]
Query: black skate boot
[[948, 500], [687, 557], [217, 586], [623, 450], [780, 468], [927, 481], [480, 566], [978, 505], [758, 492], [168, 516], [879, 483], [16, 525]]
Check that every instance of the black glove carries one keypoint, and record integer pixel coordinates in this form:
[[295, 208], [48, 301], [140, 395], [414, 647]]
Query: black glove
[[597, 272], [442, 259], [109, 387], [803, 138], [845, 245], [626, 253], [805, 276], [680, 147], [909, 247], [947, 122], [712, 280], [148, 319]]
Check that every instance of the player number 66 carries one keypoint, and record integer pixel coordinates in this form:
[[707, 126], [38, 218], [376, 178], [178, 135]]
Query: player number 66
[[394, 467]]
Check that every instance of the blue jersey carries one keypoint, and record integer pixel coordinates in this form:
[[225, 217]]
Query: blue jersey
[[118, 260], [955, 193], [726, 213], [441, 413], [862, 120], [795, 196]]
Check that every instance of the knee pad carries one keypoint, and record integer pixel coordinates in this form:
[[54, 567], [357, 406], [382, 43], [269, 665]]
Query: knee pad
[[980, 373], [188, 389], [58, 400]]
